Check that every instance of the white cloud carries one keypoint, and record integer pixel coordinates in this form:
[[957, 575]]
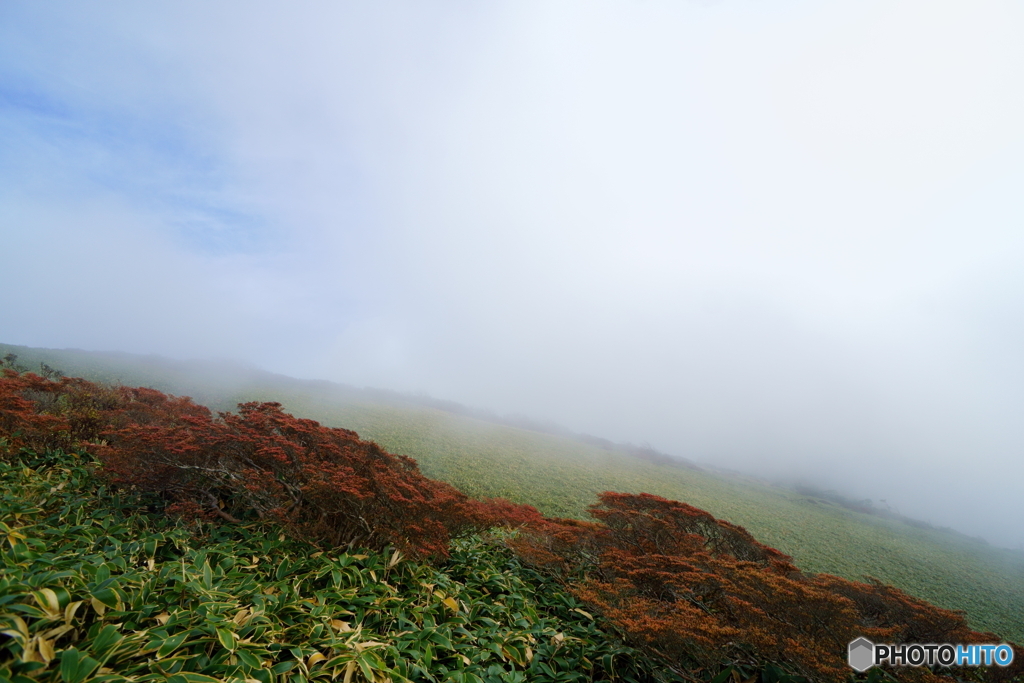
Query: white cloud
[[780, 236]]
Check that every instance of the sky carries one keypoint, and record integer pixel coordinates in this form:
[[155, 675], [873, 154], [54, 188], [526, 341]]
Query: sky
[[785, 238]]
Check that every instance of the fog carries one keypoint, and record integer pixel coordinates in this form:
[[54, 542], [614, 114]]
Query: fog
[[784, 238]]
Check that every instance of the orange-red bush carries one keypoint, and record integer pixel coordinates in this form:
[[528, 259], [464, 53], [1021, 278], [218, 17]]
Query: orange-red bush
[[40, 413], [322, 483], [696, 592]]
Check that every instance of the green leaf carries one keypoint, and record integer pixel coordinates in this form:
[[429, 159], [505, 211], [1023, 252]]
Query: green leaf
[[723, 675], [171, 644], [364, 664], [191, 677], [107, 639], [226, 638], [207, 576], [283, 667], [76, 666], [262, 675], [249, 659], [108, 596]]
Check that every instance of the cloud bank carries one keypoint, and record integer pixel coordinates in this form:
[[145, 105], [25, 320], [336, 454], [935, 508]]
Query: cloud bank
[[785, 239]]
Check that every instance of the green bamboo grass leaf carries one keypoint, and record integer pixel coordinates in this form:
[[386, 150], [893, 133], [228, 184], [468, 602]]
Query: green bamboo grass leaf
[[263, 676], [226, 638], [109, 598], [249, 659], [171, 644], [283, 667], [107, 639], [207, 576], [29, 610], [75, 666], [365, 666], [191, 677]]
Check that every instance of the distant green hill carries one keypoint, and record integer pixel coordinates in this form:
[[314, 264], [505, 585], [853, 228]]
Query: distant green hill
[[561, 474]]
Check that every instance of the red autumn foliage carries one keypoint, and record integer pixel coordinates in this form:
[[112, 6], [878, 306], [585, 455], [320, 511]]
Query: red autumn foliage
[[261, 463], [40, 413], [322, 483], [697, 592], [22, 424]]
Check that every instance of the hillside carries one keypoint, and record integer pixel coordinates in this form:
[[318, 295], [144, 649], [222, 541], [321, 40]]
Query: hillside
[[562, 475]]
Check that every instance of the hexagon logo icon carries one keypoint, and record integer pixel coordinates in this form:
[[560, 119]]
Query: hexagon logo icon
[[861, 654]]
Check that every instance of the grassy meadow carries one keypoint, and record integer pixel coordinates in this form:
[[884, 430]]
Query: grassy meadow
[[561, 476]]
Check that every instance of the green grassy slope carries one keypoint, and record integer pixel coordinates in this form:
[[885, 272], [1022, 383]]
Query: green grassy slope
[[561, 476]]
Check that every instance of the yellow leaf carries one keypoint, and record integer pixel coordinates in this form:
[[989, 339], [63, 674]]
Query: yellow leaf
[[69, 611], [314, 659], [465, 660], [350, 669], [46, 650], [55, 633], [19, 632], [557, 639], [163, 618], [151, 564], [451, 604], [340, 626], [47, 599], [317, 554], [359, 557], [28, 652], [100, 608], [241, 616], [394, 559]]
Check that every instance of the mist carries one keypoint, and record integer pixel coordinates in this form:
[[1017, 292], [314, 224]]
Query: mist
[[781, 238]]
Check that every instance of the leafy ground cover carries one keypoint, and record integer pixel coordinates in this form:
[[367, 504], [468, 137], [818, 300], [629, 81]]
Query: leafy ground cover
[[95, 588], [562, 477]]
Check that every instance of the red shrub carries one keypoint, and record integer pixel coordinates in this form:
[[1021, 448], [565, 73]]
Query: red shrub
[[322, 483], [25, 421], [696, 592]]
